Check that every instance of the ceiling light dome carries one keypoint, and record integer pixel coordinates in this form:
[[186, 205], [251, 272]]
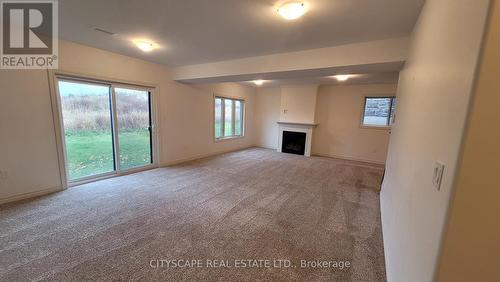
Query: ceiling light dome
[[258, 82], [145, 45], [342, 77], [292, 10]]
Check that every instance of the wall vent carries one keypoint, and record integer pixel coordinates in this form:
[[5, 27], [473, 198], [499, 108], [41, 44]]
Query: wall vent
[[104, 31]]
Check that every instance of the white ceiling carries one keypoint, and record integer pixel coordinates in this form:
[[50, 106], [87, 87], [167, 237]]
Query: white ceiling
[[200, 31]]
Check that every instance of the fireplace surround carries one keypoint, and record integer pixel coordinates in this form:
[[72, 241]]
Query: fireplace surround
[[295, 132]]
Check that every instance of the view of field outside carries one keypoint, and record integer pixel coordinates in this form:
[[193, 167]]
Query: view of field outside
[[86, 112], [228, 118], [237, 117], [218, 118], [132, 109]]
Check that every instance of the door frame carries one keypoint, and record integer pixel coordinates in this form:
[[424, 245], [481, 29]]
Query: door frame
[[54, 76]]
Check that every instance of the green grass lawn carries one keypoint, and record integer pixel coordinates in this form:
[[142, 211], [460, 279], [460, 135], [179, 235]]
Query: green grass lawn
[[91, 152], [227, 129]]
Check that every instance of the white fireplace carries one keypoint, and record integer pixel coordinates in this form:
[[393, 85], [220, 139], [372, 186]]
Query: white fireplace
[[290, 127]]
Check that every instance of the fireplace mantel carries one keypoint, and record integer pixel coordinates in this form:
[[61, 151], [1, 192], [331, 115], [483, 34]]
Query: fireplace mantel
[[298, 123]]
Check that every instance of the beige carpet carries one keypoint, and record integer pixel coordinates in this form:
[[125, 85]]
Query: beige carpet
[[254, 204]]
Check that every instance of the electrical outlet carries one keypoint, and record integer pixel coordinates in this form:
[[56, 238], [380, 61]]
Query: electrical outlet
[[437, 176], [4, 174]]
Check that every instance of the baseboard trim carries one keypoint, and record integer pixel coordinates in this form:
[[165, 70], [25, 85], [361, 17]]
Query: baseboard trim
[[348, 158], [202, 156], [265, 147], [28, 195], [334, 156]]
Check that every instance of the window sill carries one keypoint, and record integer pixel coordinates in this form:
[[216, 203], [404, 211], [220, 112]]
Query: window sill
[[375, 127], [217, 140]]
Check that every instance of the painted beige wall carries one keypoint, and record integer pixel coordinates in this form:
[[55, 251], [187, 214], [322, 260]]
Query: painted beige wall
[[471, 249], [188, 129], [433, 98], [27, 143], [338, 110], [339, 134], [298, 103], [268, 101]]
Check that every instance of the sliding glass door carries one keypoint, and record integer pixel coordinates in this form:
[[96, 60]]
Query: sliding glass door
[[133, 110], [106, 128], [88, 130]]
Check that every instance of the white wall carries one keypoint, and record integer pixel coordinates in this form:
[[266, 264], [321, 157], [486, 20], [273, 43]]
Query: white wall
[[339, 111], [27, 141], [268, 101], [298, 103], [433, 98]]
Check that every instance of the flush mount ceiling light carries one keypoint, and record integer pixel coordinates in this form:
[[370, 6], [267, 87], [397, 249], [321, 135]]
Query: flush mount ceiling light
[[342, 77], [258, 82], [292, 10], [146, 46]]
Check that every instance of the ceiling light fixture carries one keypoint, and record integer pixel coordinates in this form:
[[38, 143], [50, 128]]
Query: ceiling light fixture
[[292, 10], [342, 77], [258, 82], [145, 46]]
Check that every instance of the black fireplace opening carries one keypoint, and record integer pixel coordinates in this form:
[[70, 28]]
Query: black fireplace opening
[[293, 142]]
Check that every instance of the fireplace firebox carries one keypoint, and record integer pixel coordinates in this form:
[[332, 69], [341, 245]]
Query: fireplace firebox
[[294, 142]]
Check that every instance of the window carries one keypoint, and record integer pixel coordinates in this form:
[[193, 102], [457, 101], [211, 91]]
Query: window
[[379, 111], [228, 117]]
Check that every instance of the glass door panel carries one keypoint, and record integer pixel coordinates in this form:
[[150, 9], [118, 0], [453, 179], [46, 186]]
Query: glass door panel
[[87, 126], [133, 117]]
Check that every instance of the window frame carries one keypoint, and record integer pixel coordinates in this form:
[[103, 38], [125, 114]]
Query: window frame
[[391, 113], [233, 115]]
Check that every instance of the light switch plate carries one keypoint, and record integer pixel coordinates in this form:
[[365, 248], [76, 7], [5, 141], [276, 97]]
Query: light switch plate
[[437, 176]]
